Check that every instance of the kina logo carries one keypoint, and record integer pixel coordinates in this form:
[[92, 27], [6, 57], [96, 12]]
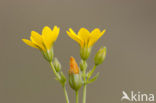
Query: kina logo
[[137, 96]]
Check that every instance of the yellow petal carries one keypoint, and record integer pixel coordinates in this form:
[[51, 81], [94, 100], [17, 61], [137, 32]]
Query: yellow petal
[[75, 37], [95, 35], [56, 31], [36, 38], [84, 34], [48, 37], [28, 42]]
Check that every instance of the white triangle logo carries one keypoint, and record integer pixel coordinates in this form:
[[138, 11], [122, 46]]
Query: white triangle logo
[[125, 96]]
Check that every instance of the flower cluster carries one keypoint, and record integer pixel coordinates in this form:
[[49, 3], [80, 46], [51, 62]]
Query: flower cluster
[[78, 74]]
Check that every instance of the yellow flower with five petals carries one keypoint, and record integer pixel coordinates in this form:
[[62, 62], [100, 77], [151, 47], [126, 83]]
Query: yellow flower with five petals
[[84, 37], [45, 41]]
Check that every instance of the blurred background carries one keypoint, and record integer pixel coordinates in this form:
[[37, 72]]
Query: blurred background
[[25, 77]]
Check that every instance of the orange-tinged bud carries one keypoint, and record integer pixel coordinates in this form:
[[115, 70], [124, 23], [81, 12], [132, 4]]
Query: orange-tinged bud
[[75, 79], [74, 69]]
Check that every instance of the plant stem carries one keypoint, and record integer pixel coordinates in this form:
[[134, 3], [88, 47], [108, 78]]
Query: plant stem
[[84, 93], [56, 74], [66, 95], [58, 77], [85, 85], [77, 96]]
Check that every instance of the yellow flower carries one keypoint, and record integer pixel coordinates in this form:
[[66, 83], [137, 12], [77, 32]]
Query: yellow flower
[[84, 37], [45, 41]]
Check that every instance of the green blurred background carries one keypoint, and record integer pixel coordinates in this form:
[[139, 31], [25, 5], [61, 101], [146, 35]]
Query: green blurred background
[[25, 77]]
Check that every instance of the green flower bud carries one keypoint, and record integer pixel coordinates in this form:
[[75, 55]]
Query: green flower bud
[[75, 79], [83, 65], [85, 53], [48, 54], [57, 65], [100, 56]]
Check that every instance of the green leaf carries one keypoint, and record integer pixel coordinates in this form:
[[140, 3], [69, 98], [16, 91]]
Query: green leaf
[[94, 78], [90, 73]]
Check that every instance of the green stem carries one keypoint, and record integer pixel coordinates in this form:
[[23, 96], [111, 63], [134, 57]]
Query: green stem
[[66, 95], [58, 77], [85, 85], [77, 96], [53, 68], [84, 93]]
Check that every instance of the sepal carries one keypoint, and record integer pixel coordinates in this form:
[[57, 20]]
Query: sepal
[[48, 54], [85, 53], [75, 81]]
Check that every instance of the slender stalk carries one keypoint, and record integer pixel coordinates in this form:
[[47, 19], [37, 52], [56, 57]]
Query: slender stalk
[[56, 74], [85, 85], [84, 93], [58, 77], [77, 96], [66, 95]]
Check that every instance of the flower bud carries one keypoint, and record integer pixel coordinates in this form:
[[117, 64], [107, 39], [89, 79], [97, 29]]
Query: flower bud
[[85, 53], [83, 65], [100, 56], [57, 65], [48, 54], [75, 79]]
